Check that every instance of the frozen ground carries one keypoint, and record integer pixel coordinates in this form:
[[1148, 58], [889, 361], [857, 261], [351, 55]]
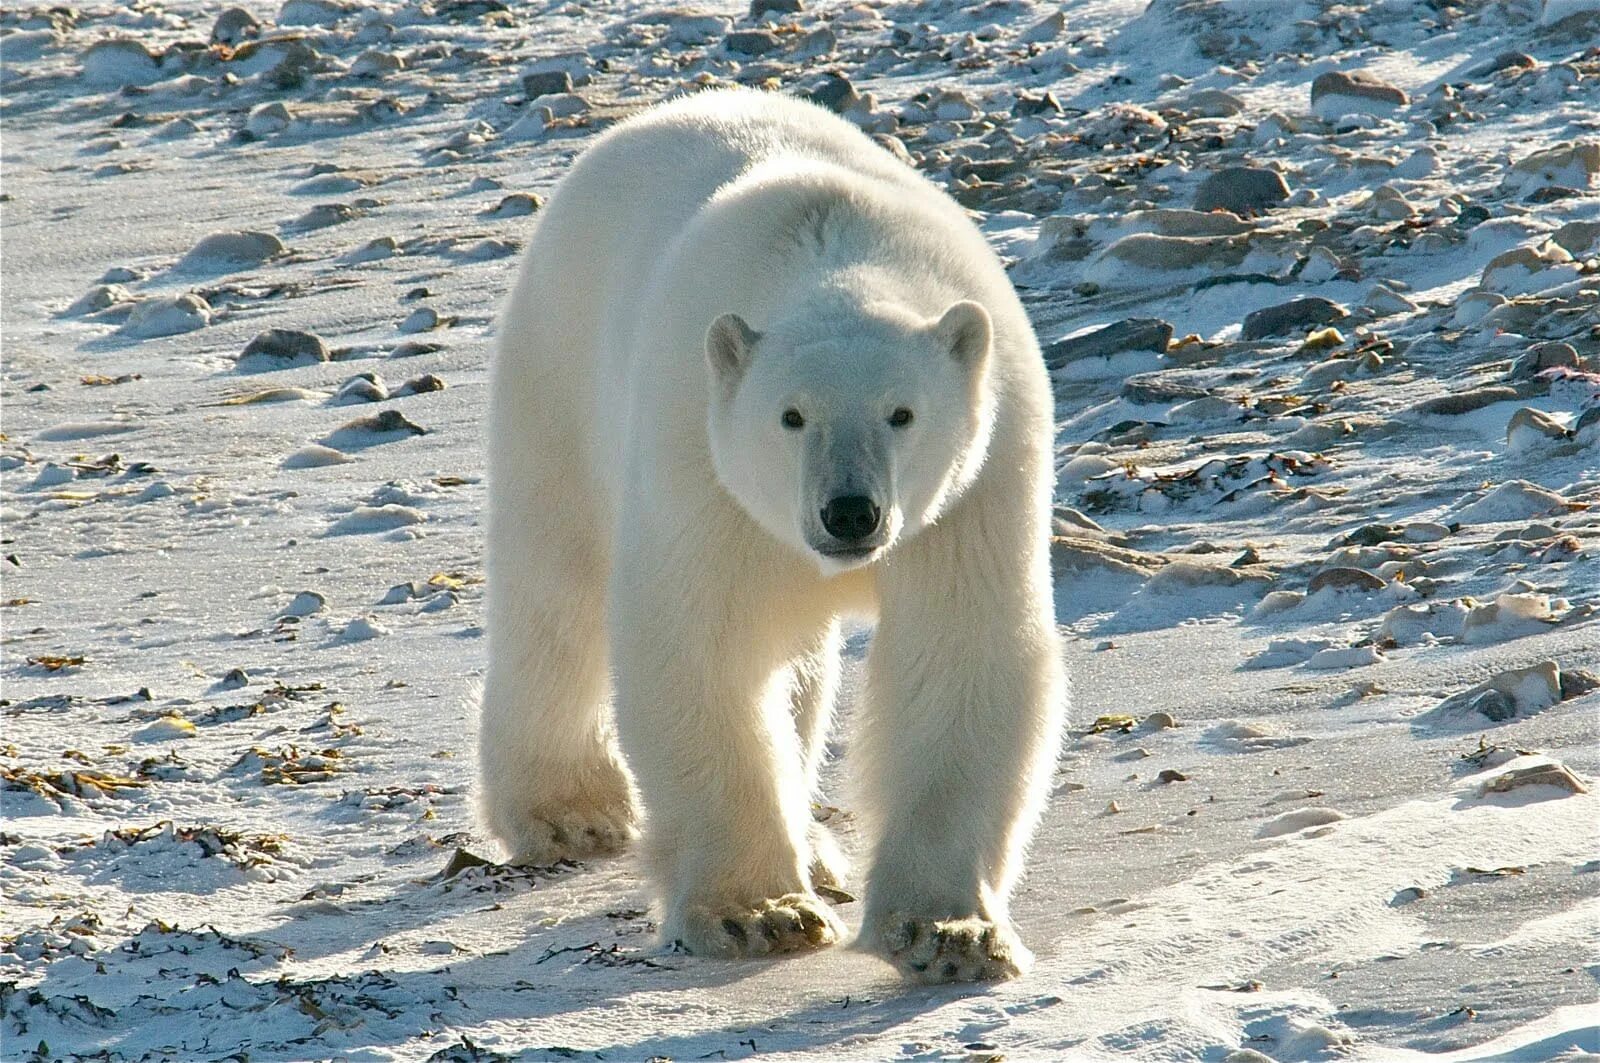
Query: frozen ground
[[1357, 569]]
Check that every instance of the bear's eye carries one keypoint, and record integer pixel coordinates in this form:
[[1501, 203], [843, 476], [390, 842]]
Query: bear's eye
[[900, 418], [792, 419]]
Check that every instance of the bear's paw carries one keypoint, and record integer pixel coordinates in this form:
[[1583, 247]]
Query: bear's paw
[[933, 951], [794, 922], [538, 838]]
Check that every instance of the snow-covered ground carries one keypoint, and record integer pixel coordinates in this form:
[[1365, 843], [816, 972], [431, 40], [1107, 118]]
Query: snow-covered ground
[[1333, 570]]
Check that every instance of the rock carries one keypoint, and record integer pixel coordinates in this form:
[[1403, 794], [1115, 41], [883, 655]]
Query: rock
[[117, 62], [219, 250], [316, 457], [1512, 694], [695, 29], [1529, 427], [1579, 237], [759, 8], [1542, 356], [422, 385], [385, 427], [311, 13], [1298, 820], [234, 25], [167, 315], [1293, 316], [1474, 306], [1465, 401], [1211, 103], [268, 118], [281, 348], [750, 42], [375, 63], [98, 298], [1547, 774], [1242, 190], [1335, 94], [1522, 270], [423, 319], [1045, 30], [546, 83], [1512, 60], [515, 205], [1130, 334], [1345, 579], [1383, 301], [834, 92], [1512, 500], [363, 387], [1569, 165], [1150, 251], [1158, 721], [305, 604]]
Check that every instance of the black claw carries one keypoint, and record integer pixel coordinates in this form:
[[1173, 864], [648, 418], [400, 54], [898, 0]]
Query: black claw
[[735, 930]]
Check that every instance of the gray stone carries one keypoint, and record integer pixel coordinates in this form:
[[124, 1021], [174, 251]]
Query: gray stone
[[281, 348], [750, 42], [1241, 189], [834, 92], [759, 8], [1132, 334], [546, 83], [1295, 315]]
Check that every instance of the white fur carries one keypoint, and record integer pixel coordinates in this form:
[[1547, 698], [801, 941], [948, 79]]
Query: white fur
[[651, 520]]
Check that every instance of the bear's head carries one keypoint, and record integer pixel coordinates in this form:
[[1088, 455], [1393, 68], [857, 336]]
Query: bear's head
[[844, 431]]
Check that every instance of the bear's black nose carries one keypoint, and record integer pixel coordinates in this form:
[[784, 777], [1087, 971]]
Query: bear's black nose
[[851, 518]]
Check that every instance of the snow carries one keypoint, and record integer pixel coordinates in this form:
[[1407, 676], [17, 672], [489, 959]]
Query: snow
[[1302, 851]]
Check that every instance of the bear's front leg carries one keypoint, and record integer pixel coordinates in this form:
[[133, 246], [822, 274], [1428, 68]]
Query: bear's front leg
[[966, 698], [704, 716]]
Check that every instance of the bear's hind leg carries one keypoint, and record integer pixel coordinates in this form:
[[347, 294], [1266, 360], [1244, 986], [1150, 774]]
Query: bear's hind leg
[[553, 786]]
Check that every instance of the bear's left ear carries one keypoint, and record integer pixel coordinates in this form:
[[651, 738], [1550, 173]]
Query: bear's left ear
[[966, 332], [728, 345]]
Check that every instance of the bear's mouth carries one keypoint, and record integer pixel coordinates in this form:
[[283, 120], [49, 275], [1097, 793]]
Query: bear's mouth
[[848, 553]]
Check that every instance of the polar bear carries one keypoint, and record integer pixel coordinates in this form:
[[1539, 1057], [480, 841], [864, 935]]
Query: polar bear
[[756, 375]]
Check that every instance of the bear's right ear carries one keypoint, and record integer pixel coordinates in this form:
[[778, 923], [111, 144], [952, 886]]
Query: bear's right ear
[[729, 342]]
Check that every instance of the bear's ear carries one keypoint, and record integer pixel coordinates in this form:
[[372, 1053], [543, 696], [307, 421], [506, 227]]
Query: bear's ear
[[728, 345], [966, 332]]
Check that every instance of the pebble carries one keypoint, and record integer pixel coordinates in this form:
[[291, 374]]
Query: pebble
[[1293, 316], [236, 678], [281, 348], [421, 385], [761, 8], [98, 298], [1512, 500], [1241, 190]]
